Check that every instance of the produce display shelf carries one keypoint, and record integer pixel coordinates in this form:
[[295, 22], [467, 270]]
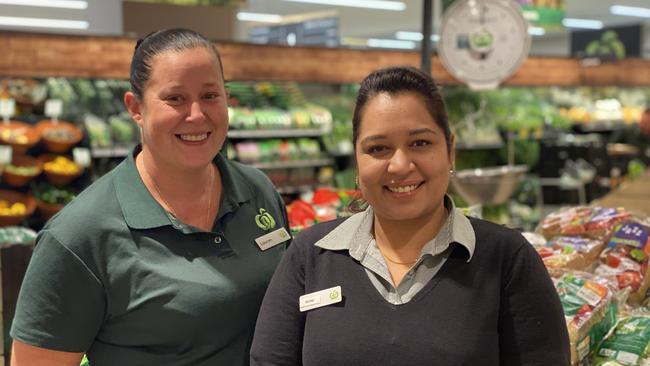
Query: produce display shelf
[[110, 152], [293, 164], [600, 126], [276, 133]]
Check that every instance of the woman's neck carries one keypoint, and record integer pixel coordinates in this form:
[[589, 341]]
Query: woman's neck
[[408, 236], [173, 181], [191, 195]]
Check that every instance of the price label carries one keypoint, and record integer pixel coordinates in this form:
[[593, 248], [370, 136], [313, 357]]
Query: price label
[[627, 358], [5, 154], [7, 108], [53, 108], [81, 156], [591, 297]]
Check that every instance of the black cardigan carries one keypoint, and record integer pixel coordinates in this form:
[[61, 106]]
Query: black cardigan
[[501, 308]]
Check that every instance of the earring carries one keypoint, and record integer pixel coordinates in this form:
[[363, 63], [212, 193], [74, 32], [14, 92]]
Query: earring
[[356, 181], [452, 172]]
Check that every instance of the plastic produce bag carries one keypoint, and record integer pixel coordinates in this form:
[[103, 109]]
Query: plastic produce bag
[[573, 252], [594, 222], [626, 258], [627, 345], [590, 309]]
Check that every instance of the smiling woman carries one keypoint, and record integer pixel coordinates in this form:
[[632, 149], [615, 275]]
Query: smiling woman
[[150, 264], [421, 284]]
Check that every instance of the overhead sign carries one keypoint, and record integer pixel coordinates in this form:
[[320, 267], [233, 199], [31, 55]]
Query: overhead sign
[[608, 44], [546, 14], [313, 32]]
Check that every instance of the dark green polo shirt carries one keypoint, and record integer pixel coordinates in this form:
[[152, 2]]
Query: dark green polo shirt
[[113, 275]]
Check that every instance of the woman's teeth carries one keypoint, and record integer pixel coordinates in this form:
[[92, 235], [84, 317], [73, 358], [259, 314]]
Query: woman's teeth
[[199, 137], [403, 189]]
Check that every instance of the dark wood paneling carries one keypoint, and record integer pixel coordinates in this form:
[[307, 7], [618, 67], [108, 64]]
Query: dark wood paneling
[[38, 55]]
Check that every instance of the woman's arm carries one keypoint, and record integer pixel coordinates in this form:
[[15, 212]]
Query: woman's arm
[[532, 329], [61, 305], [23, 354], [280, 324]]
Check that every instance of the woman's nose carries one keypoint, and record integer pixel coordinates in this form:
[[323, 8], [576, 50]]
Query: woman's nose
[[400, 162], [195, 113]]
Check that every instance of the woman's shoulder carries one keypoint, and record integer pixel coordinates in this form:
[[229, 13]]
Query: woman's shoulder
[[248, 173], [313, 234], [494, 236]]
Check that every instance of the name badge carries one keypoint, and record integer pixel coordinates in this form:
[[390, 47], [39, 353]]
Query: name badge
[[320, 298], [273, 238]]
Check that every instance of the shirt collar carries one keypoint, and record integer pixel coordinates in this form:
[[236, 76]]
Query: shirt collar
[[140, 209], [355, 233]]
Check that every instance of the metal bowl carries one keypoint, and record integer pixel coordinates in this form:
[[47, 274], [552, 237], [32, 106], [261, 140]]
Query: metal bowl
[[491, 185]]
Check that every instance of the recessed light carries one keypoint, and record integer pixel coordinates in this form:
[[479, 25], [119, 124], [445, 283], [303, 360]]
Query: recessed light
[[65, 4], [368, 4]]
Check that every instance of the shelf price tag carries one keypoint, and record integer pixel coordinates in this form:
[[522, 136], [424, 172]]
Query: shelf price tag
[[81, 156], [54, 108], [5, 155], [7, 109]]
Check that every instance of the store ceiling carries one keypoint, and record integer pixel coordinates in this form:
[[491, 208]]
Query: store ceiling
[[368, 23]]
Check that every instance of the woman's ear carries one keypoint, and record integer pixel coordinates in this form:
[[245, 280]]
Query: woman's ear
[[132, 104]]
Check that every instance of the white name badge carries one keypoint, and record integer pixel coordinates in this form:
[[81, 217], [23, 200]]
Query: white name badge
[[273, 238], [320, 298]]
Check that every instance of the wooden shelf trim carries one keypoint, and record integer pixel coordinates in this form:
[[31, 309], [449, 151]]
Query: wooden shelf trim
[[43, 55]]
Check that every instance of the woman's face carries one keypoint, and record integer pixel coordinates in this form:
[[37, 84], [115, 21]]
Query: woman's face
[[183, 113], [402, 158]]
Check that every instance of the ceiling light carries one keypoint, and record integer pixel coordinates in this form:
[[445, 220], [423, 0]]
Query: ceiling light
[[631, 11], [536, 31], [43, 23], [582, 23], [390, 43], [368, 4], [414, 36], [65, 4], [258, 17]]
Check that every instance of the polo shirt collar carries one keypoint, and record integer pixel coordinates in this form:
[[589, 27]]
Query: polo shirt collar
[[142, 211], [355, 233]]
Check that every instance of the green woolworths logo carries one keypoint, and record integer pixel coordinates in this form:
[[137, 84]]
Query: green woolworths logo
[[334, 295], [264, 220]]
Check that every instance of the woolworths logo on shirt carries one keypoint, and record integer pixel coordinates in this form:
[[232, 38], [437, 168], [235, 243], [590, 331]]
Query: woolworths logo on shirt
[[264, 220]]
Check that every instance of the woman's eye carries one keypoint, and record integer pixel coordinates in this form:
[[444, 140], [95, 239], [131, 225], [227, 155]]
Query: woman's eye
[[211, 96], [375, 149], [421, 143], [174, 99]]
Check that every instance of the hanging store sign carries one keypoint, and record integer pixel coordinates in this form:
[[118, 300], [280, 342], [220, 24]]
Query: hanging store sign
[[606, 45], [313, 32], [543, 13]]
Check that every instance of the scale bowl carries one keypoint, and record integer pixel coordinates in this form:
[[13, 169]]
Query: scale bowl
[[491, 185]]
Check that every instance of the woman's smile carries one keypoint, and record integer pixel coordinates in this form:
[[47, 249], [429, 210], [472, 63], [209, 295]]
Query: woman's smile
[[193, 138], [403, 190]]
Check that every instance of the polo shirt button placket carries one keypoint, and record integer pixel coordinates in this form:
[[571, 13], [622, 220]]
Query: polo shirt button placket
[[217, 239]]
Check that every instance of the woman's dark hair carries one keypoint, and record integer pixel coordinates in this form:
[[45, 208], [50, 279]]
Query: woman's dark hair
[[396, 80], [177, 39]]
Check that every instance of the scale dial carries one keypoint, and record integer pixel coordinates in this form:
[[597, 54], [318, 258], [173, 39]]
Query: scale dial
[[483, 41]]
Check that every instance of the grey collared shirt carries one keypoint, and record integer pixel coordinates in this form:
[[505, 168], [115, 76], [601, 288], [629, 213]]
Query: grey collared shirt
[[355, 235]]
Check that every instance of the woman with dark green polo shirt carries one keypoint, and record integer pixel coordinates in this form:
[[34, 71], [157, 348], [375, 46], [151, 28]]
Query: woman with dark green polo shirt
[[165, 259]]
